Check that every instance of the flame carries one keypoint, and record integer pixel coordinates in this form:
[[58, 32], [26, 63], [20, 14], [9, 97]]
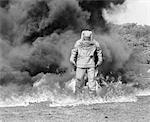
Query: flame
[[63, 100], [145, 92], [41, 92]]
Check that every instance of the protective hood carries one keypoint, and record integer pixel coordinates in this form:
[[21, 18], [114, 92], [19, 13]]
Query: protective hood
[[86, 33]]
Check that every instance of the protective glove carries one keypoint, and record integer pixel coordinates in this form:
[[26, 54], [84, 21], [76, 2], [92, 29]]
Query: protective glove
[[98, 64], [73, 62]]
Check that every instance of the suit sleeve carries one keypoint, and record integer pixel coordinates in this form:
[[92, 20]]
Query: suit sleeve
[[74, 53], [99, 53]]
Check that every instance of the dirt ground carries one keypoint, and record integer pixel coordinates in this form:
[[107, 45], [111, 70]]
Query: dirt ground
[[112, 112]]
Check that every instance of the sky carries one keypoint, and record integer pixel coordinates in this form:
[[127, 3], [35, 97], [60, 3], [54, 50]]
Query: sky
[[133, 11]]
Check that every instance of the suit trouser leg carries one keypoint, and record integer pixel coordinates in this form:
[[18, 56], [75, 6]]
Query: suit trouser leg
[[80, 72], [91, 81]]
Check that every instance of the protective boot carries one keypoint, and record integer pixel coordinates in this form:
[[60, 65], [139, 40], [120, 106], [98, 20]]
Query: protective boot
[[92, 93]]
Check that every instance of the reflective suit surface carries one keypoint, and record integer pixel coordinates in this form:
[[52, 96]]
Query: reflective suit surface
[[83, 57]]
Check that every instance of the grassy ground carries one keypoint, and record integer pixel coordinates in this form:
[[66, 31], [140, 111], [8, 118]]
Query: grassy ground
[[112, 112]]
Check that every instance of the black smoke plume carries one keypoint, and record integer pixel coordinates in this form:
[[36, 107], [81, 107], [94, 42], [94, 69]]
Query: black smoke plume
[[36, 36], [95, 8]]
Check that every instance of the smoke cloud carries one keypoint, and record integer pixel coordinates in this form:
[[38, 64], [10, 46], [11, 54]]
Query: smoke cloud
[[36, 37], [115, 53], [136, 11], [96, 9]]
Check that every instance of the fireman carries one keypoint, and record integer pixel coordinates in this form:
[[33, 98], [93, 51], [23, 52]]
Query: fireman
[[86, 55]]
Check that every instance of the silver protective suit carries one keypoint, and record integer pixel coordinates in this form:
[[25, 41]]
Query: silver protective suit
[[83, 57]]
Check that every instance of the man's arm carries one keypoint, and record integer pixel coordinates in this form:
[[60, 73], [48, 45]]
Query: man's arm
[[74, 53], [99, 53]]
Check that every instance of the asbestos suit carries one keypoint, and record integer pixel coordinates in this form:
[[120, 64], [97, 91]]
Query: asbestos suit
[[83, 56]]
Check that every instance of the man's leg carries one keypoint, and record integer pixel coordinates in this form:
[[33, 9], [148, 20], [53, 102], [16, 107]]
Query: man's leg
[[79, 77], [91, 81]]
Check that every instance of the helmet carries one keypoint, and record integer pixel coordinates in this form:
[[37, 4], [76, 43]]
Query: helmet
[[86, 34]]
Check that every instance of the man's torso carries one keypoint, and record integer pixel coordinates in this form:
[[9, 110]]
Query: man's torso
[[85, 57]]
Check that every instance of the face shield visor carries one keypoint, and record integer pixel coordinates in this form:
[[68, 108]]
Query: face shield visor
[[86, 35]]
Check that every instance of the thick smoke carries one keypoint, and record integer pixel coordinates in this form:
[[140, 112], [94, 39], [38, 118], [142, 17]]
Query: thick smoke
[[115, 53], [4, 3], [44, 18], [35, 18], [96, 8], [36, 37], [126, 13], [6, 25]]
